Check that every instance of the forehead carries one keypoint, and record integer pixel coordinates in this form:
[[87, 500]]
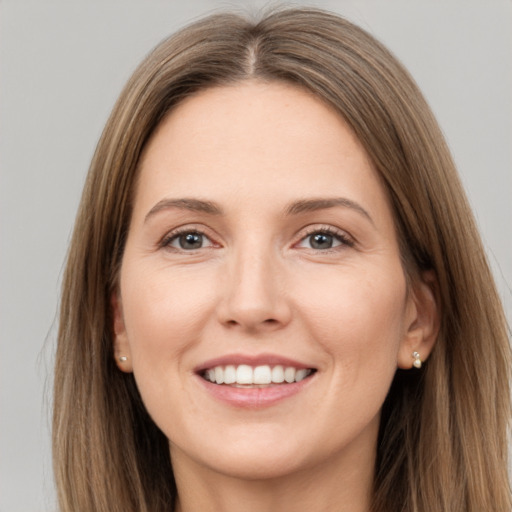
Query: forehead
[[270, 141], [238, 113]]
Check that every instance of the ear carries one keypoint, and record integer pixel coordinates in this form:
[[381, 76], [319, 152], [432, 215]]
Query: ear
[[422, 320], [122, 352]]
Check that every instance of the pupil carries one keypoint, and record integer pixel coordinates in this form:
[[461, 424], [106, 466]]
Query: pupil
[[321, 241], [191, 241]]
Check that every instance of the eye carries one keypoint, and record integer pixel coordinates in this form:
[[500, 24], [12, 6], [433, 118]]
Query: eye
[[324, 239], [187, 241]]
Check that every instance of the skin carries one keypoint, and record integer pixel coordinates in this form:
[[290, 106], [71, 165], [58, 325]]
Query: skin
[[258, 286]]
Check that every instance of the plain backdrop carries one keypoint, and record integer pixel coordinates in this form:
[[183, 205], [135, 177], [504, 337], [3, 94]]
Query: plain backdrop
[[62, 65]]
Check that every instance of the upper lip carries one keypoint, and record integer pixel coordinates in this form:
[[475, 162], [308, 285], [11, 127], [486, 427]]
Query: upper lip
[[251, 360]]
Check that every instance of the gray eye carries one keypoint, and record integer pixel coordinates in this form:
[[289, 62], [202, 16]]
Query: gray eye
[[189, 241], [321, 241]]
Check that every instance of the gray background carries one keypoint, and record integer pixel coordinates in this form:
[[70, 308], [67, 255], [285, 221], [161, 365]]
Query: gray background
[[63, 63]]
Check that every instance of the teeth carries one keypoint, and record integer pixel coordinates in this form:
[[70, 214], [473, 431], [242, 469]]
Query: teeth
[[259, 375], [289, 375], [243, 374], [219, 375], [262, 375], [278, 374], [229, 374], [301, 375]]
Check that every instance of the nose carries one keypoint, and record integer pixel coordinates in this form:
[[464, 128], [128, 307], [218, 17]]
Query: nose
[[254, 295]]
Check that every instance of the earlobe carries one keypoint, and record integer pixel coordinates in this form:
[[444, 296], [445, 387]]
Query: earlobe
[[422, 322], [122, 352]]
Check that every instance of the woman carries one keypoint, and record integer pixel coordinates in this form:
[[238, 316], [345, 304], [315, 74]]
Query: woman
[[275, 295]]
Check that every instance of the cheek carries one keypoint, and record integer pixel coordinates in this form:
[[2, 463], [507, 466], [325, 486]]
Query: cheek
[[358, 321], [165, 311], [358, 318]]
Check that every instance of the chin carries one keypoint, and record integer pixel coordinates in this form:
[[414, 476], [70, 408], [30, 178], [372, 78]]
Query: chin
[[258, 467], [252, 457]]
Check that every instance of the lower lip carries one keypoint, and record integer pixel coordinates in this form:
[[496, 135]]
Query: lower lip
[[254, 398]]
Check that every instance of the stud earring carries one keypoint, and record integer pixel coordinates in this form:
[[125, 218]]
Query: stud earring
[[123, 359], [417, 360]]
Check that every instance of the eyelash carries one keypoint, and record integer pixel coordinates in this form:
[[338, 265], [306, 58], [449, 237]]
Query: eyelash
[[340, 236], [174, 235], [343, 238]]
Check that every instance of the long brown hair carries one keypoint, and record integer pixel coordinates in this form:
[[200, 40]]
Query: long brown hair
[[443, 437]]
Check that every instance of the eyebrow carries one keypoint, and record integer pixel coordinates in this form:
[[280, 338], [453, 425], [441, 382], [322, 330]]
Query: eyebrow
[[193, 205], [295, 208], [310, 205]]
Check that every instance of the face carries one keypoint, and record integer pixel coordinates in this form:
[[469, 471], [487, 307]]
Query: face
[[262, 304]]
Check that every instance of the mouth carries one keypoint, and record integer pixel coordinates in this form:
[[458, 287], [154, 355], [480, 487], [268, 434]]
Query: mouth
[[261, 376]]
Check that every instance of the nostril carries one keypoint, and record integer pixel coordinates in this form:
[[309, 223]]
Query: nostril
[[269, 323]]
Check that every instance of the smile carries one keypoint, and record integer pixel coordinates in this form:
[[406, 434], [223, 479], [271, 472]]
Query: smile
[[244, 375], [254, 381]]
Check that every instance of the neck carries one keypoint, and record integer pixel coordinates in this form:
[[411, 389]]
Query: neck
[[328, 487]]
